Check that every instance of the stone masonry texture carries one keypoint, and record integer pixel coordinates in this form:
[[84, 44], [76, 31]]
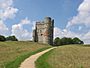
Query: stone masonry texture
[[43, 32]]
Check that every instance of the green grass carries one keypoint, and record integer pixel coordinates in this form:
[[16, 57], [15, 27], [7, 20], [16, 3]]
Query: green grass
[[69, 56], [41, 61], [13, 53]]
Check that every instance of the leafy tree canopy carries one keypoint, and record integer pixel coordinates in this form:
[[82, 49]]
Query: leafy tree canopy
[[66, 41], [11, 38], [2, 38]]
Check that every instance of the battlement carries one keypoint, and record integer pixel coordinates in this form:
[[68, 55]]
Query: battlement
[[43, 32]]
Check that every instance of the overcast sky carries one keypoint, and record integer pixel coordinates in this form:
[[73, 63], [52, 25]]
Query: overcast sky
[[72, 17]]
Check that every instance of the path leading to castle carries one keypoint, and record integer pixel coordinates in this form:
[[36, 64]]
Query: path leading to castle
[[30, 62]]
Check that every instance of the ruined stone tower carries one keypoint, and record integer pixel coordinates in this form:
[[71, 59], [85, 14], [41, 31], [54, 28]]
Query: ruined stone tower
[[43, 32]]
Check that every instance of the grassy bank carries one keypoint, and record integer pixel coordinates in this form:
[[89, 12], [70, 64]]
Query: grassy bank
[[42, 61], [66, 57], [13, 53]]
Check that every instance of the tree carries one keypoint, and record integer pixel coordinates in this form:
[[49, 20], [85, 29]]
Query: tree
[[57, 41], [66, 41], [81, 42], [77, 41], [69, 41], [2, 38], [11, 38]]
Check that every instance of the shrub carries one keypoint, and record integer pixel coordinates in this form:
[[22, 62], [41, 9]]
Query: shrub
[[66, 41], [57, 41], [11, 38], [2, 38], [77, 41]]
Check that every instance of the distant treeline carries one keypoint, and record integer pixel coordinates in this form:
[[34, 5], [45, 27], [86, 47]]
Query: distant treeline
[[9, 38], [66, 41]]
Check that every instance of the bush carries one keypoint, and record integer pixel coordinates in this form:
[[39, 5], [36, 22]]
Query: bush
[[66, 41], [11, 38], [57, 41], [2, 38], [77, 41]]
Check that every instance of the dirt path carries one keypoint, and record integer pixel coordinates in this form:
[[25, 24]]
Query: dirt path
[[30, 62]]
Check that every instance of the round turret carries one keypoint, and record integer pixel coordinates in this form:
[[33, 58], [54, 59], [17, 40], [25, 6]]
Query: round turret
[[47, 19]]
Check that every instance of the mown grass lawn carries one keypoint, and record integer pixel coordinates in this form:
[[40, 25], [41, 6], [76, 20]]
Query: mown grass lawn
[[10, 52], [69, 56]]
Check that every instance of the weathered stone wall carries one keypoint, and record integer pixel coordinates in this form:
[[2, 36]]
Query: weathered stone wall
[[43, 32]]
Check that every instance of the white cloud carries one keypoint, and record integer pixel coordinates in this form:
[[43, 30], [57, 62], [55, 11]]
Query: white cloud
[[33, 25], [86, 37], [7, 11], [67, 33], [5, 3], [83, 16], [25, 21], [64, 33], [57, 32], [20, 32], [2, 26]]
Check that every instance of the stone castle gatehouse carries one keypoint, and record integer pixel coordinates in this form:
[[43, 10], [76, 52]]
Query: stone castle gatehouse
[[43, 32]]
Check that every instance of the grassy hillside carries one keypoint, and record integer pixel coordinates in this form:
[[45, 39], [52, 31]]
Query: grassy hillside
[[69, 56], [9, 51]]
